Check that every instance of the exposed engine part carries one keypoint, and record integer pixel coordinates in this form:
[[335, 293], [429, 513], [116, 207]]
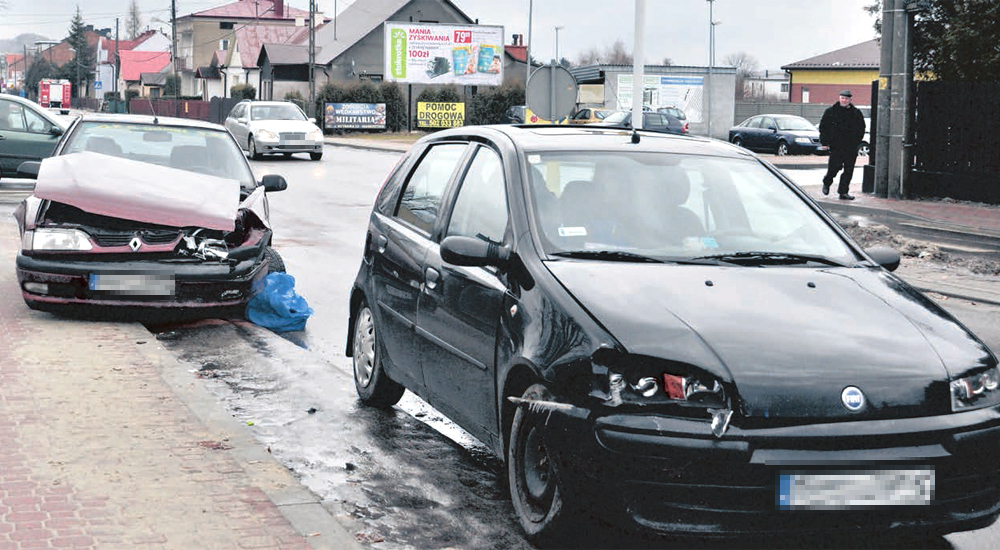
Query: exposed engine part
[[203, 248]]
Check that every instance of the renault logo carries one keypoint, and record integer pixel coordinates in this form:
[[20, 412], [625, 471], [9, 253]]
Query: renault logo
[[852, 398], [134, 244]]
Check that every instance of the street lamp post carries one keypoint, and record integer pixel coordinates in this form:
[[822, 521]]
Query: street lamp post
[[711, 62], [557, 28]]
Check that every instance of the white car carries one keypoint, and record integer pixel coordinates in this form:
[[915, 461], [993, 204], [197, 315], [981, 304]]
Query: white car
[[273, 127], [867, 140]]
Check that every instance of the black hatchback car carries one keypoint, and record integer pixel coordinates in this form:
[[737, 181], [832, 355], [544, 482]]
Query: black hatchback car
[[671, 326]]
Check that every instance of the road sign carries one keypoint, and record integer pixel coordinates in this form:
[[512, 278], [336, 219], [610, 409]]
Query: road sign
[[551, 92], [97, 84]]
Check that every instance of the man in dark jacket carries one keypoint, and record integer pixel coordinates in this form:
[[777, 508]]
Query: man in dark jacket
[[841, 129]]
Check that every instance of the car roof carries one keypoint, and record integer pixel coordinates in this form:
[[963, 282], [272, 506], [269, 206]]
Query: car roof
[[534, 138], [150, 119], [257, 102]]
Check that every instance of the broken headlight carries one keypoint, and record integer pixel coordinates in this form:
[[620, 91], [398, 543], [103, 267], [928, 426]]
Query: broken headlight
[[976, 391], [56, 239], [694, 394]]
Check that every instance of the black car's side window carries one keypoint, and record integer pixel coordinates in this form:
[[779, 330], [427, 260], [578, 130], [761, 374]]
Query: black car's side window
[[35, 123], [481, 207], [422, 196], [11, 116]]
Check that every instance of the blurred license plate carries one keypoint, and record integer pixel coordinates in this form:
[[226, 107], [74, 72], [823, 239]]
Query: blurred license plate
[[133, 284], [855, 489]]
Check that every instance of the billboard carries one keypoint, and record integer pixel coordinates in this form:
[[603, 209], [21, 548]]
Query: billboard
[[357, 116], [440, 115], [683, 92], [429, 53]]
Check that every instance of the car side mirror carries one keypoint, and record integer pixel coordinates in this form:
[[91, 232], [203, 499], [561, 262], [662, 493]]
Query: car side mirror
[[469, 251], [55, 130], [29, 169], [274, 182], [772, 128], [884, 256], [313, 120], [241, 120]]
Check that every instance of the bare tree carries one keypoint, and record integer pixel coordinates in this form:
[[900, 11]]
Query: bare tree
[[590, 56], [667, 62], [746, 65], [617, 54], [133, 25]]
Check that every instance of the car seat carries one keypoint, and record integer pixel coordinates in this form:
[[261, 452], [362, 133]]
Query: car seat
[[661, 209], [186, 156]]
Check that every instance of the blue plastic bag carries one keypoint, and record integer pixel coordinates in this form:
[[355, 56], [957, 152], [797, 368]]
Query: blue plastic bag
[[276, 306]]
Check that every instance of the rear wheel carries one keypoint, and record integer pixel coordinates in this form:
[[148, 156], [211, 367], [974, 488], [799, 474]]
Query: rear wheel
[[374, 388], [536, 489], [315, 156], [782, 149]]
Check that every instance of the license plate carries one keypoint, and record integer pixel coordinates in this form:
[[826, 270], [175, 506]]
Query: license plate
[[132, 284], [855, 489]]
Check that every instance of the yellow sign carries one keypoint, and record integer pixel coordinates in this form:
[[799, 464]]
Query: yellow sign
[[440, 115]]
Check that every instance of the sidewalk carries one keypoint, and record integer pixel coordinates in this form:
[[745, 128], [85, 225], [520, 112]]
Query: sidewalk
[[108, 442]]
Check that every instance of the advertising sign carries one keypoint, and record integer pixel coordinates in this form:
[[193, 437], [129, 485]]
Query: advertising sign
[[355, 116], [440, 115], [683, 92], [426, 53]]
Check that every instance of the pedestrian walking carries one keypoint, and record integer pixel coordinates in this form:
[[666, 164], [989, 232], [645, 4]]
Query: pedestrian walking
[[841, 129]]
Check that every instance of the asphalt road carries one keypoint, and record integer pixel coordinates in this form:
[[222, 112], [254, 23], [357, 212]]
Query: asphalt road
[[407, 479]]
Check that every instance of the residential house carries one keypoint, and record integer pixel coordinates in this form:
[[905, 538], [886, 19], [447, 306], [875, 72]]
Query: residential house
[[350, 48], [12, 71], [62, 53], [767, 85], [135, 63], [203, 33], [148, 41], [515, 61], [239, 65], [820, 79]]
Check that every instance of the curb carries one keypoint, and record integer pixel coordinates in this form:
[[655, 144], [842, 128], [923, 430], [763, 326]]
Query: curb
[[302, 508], [366, 147]]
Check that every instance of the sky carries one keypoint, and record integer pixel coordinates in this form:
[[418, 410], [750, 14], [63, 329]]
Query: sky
[[774, 32]]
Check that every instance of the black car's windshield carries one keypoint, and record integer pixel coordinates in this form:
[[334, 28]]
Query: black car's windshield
[[794, 124], [202, 150], [276, 112], [672, 207]]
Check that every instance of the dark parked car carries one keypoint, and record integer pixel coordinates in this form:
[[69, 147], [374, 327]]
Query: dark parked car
[[654, 122], [137, 214], [670, 327], [514, 115], [28, 132], [673, 111], [777, 134]]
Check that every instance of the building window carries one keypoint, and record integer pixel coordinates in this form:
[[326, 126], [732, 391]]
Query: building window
[[224, 44], [226, 24], [784, 87], [376, 78]]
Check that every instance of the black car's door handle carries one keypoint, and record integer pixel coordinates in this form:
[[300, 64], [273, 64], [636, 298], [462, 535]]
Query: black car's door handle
[[431, 277], [381, 242]]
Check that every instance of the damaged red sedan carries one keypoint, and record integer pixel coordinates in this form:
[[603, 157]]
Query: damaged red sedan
[[136, 214]]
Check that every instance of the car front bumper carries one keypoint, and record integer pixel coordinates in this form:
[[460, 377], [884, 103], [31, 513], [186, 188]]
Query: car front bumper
[[67, 285], [671, 475], [289, 146]]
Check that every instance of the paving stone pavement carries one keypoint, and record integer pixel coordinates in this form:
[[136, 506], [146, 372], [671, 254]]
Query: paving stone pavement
[[98, 451]]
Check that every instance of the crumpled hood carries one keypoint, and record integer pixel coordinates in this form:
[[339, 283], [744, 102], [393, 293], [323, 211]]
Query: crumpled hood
[[139, 191], [789, 347]]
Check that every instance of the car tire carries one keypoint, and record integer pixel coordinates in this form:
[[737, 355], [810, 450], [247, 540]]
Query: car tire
[[863, 149], [274, 262], [374, 388], [252, 148], [782, 149], [287, 155], [315, 156], [537, 491], [737, 141]]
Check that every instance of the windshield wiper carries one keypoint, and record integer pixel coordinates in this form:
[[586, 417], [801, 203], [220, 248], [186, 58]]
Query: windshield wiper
[[762, 258], [608, 255]]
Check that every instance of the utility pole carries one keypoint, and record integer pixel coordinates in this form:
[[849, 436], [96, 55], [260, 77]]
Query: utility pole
[[639, 54], [173, 40], [115, 84], [884, 101], [711, 64], [527, 49], [312, 59]]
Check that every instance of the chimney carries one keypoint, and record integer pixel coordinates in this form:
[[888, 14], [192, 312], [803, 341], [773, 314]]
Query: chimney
[[279, 8]]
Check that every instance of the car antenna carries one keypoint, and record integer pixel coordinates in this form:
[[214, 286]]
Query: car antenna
[[156, 119], [635, 136]]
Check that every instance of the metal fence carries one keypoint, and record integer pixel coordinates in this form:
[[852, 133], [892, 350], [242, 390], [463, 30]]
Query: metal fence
[[957, 129], [809, 111]]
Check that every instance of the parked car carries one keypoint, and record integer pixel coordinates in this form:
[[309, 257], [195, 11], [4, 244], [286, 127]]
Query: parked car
[[142, 215], [778, 134], [654, 122], [588, 115], [673, 329], [514, 115], [274, 127], [673, 111], [28, 131]]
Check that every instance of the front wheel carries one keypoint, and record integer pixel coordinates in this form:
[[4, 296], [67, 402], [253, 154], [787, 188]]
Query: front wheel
[[315, 156], [252, 147], [782, 149], [737, 141], [274, 262], [374, 388], [536, 490]]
